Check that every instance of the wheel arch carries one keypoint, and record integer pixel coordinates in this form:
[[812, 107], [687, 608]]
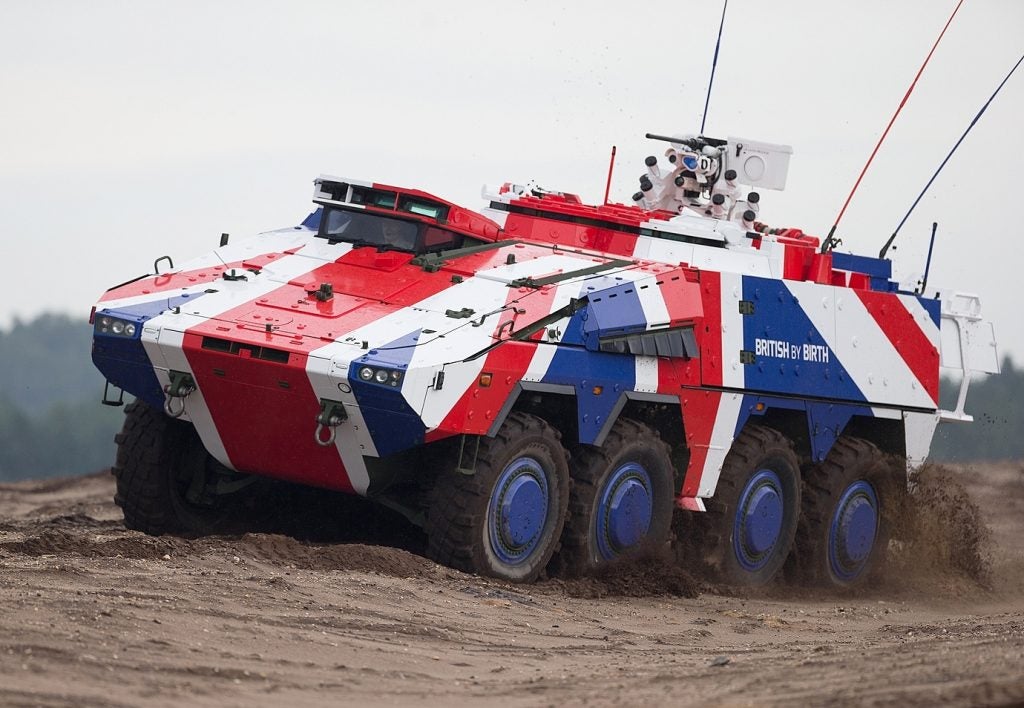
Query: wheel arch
[[791, 423], [815, 426], [559, 405], [554, 403], [887, 434]]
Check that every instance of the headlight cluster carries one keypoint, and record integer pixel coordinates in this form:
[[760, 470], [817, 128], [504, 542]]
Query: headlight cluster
[[111, 325], [385, 377]]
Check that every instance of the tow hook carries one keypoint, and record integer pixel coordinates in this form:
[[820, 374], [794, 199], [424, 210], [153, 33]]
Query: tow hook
[[181, 386], [332, 414]]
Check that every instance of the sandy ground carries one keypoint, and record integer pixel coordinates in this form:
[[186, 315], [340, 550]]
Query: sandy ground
[[93, 614]]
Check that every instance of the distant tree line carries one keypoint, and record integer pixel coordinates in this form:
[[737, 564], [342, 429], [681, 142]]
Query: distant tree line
[[52, 423], [997, 433], [51, 420], [68, 438]]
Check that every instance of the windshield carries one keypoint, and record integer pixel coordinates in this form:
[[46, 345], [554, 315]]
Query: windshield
[[373, 229], [369, 229]]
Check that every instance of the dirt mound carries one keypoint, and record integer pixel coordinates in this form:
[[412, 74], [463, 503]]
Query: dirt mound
[[284, 550], [75, 543], [57, 484], [647, 573], [270, 548]]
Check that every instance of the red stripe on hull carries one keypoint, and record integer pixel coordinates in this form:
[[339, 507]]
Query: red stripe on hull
[[906, 336], [569, 235], [476, 409], [681, 291], [710, 334], [700, 409], [264, 413]]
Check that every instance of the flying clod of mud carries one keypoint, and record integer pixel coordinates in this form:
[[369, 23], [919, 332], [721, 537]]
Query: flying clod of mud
[[648, 572], [940, 539]]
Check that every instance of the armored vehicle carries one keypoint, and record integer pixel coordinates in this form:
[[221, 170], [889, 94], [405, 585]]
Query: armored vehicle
[[546, 384]]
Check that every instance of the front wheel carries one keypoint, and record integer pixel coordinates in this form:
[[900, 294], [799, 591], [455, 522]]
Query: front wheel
[[503, 519], [168, 483], [622, 498]]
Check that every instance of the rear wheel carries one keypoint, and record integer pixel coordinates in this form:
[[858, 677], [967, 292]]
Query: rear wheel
[[843, 530], [748, 528], [505, 518], [167, 482], [621, 499]]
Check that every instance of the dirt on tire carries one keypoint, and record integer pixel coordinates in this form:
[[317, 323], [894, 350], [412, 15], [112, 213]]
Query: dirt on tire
[[335, 603]]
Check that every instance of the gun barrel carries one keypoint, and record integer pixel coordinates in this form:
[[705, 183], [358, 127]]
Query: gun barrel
[[668, 139], [696, 142]]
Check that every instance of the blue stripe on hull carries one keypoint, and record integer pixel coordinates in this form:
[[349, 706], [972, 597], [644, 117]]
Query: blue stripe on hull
[[790, 354], [390, 420], [825, 421]]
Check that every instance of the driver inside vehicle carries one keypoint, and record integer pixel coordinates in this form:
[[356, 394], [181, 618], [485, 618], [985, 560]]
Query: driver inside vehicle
[[397, 235]]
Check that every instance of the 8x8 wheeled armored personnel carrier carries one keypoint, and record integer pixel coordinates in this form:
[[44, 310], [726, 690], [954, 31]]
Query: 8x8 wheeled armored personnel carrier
[[546, 382]]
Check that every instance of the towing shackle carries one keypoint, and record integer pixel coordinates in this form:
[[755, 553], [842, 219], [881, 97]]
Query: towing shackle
[[331, 415], [182, 385]]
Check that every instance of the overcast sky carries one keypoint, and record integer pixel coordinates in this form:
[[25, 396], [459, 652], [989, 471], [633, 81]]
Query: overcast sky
[[137, 129]]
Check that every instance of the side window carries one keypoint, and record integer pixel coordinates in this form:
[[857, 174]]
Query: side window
[[336, 223]]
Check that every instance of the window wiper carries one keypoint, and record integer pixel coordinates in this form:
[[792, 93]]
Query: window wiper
[[363, 243], [356, 242]]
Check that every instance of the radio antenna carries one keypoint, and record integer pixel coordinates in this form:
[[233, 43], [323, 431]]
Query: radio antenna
[[973, 122], [608, 185], [714, 63], [830, 240]]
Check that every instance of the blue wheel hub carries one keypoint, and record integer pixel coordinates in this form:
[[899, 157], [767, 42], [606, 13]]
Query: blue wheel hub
[[758, 520], [851, 535], [518, 510], [624, 510]]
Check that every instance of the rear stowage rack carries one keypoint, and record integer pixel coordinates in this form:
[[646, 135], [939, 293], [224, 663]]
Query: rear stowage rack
[[969, 346]]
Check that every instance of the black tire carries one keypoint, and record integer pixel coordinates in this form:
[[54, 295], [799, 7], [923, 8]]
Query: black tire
[[847, 501], [469, 523], [622, 498], [748, 529], [157, 459]]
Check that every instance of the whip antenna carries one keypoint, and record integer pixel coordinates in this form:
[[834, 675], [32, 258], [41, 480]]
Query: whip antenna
[[714, 63], [830, 239], [973, 121]]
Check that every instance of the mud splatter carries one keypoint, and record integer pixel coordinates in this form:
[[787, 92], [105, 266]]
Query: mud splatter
[[940, 536]]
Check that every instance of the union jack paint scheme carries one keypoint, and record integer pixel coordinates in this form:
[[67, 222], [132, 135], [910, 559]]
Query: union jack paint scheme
[[545, 384]]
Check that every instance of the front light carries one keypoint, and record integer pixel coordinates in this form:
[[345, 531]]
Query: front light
[[117, 327], [366, 373], [381, 376]]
